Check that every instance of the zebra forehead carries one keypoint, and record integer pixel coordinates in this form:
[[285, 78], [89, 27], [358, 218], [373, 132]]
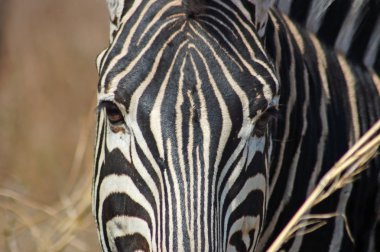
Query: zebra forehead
[[150, 54]]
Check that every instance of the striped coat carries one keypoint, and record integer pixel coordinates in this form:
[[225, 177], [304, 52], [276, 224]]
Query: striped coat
[[217, 118]]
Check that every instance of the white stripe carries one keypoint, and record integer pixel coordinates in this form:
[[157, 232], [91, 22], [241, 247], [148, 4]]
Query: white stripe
[[181, 150], [124, 184], [337, 235], [157, 17], [120, 141], [97, 177], [245, 224], [125, 48], [190, 152], [120, 226], [267, 92], [169, 211], [373, 46], [248, 26], [350, 82], [151, 184], [345, 193], [293, 167], [112, 86], [177, 197], [289, 109], [325, 99], [155, 115], [349, 26], [228, 42], [199, 193], [135, 129], [257, 182], [317, 11], [206, 133], [225, 132]]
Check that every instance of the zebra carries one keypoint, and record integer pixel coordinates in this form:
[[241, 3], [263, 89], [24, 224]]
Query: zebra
[[217, 118]]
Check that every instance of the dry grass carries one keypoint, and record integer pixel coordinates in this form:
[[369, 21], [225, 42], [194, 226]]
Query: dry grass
[[48, 85], [340, 175], [32, 226]]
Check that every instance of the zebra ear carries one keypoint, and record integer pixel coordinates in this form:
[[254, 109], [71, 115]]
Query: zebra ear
[[260, 15], [117, 9]]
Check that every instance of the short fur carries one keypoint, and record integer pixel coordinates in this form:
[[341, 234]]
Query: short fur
[[193, 7]]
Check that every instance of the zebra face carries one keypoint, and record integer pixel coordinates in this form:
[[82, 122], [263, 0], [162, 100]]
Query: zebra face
[[182, 148]]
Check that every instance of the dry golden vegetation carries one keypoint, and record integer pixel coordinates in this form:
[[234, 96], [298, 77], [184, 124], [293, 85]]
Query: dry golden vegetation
[[344, 172], [47, 98]]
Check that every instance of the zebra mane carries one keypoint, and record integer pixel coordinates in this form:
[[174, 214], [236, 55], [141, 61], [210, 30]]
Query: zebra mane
[[350, 27], [259, 10]]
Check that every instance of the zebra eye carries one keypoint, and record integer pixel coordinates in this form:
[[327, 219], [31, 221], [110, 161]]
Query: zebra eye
[[114, 115], [262, 123]]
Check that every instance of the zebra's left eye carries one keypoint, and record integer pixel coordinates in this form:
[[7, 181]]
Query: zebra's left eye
[[114, 115]]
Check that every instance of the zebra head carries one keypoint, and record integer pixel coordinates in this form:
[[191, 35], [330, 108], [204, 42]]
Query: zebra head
[[185, 95]]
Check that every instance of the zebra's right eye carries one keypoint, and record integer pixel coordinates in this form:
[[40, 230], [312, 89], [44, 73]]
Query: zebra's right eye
[[263, 121], [114, 115]]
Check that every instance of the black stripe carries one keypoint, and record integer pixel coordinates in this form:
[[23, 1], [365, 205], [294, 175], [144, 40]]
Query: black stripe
[[333, 21], [299, 11], [135, 242], [367, 21]]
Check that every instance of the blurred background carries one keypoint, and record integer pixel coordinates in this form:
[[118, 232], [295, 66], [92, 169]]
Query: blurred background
[[48, 84]]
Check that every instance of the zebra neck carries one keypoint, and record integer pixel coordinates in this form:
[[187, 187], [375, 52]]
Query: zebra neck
[[322, 112]]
